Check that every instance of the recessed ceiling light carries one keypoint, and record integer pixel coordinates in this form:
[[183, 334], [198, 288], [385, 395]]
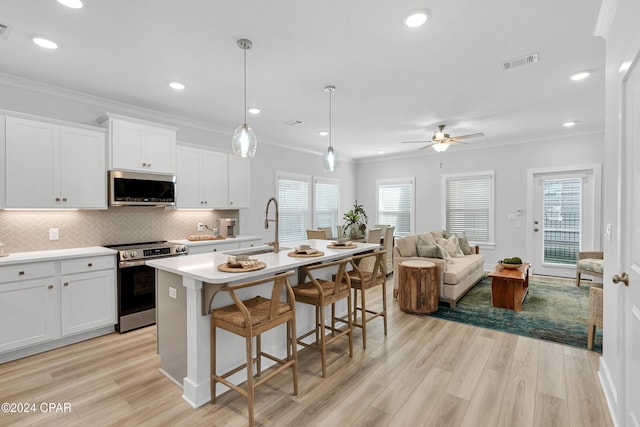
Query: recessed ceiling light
[[415, 19], [176, 85], [568, 124], [42, 42], [254, 110], [73, 4], [580, 76], [324, 132]]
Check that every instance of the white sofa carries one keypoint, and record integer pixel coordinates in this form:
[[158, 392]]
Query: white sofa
[[456, 274]]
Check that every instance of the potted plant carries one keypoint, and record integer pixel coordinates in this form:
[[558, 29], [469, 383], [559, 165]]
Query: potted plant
[[355, 222]]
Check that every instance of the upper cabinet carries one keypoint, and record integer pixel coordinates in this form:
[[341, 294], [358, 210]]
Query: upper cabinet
[[201, 179], [141, 146], [239, 180], [54, 165], [208, 179]]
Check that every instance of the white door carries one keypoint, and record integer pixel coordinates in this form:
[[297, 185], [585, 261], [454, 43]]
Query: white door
[[564, 218], [630, 240]]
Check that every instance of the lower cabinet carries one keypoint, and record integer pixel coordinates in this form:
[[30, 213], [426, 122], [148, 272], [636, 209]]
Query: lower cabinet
[[46, 301], [87, 301], [29, 313]]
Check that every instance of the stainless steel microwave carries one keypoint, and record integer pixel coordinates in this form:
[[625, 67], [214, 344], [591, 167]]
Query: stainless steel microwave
[[141, 189]]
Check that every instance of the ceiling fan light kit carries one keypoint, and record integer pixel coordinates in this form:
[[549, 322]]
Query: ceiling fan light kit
[[441, 140], [244, 141], [330, 157]]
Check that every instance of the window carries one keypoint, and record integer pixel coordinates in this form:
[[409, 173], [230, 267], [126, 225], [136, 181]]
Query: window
[[396, 205], [326, 196], [294, 192], [468, 205], [562, 202]]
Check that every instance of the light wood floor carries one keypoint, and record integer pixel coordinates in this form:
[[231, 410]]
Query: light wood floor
[[425, 372]]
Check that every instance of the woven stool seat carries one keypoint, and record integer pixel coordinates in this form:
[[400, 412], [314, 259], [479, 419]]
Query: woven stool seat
[[259, 310]]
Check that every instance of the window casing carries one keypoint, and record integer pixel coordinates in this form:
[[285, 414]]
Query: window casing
[[468, 205], [395, 204]]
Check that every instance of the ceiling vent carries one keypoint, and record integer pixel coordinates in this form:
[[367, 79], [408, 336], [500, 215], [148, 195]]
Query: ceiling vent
[[518, 62], [5, 30], [294, 123]]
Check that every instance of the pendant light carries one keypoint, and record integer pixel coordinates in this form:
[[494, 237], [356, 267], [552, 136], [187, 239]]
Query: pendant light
[[244, 141], [330, 156]]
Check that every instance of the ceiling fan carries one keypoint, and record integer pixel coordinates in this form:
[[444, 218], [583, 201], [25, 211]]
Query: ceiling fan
[[441, 140]]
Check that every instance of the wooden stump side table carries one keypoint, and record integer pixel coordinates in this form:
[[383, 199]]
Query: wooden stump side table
[[418, 287]]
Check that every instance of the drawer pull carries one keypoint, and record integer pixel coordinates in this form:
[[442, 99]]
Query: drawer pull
[[21, 273], [66, 283], [50, 287], [90, 264]]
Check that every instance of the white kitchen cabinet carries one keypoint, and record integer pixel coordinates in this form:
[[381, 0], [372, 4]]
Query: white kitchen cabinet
[[239, 180], [221, 245], [51, 165], [137, 145], [29, 305], [43, 302], [201, 178], [88, 301]]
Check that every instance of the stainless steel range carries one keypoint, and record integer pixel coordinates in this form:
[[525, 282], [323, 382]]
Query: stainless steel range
[[137, 281]]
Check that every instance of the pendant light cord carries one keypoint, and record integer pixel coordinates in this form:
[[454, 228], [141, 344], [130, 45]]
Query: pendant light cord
[[245, 85], [330, 131]]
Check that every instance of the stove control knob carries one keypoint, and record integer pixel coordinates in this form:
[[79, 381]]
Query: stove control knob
[[181, 249], [133, 254], [125, 255]]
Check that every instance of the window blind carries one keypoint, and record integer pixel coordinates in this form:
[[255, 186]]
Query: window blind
[[294, 204], [396, 205], [326, 203], [562, 201], [468, 206]]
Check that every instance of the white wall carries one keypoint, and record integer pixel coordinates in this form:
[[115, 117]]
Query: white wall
[[510, 163]]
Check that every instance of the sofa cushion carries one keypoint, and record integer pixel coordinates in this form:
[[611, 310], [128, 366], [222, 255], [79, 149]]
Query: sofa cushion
[[407, 246], [460, 268], [451, 245]]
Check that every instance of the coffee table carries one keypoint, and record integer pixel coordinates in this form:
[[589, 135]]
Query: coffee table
[[418, 287], [509, 286]]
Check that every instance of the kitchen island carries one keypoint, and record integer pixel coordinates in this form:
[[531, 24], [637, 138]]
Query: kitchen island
[[186, 291]]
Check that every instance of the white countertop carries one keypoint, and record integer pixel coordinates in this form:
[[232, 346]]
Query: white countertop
[[203, 267], [214, 242], [56, 254]]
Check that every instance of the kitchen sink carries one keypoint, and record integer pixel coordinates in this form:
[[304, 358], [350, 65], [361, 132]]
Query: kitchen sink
[[254, 251]]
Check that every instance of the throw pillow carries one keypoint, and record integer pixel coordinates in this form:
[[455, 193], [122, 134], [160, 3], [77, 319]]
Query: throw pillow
[[445, 255], [464, 243], [426, 238], [429, 250], [407, 246], [452, 246], [438, 234]]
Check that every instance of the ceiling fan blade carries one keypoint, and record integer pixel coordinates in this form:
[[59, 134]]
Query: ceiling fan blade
[[426, 146], [471, 135], [413, 142]]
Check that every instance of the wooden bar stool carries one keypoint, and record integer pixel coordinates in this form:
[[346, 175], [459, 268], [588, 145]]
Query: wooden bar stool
[[369, 270], [249, 319], [322, 293]]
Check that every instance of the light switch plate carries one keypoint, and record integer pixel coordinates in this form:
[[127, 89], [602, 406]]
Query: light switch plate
[[54, 233]]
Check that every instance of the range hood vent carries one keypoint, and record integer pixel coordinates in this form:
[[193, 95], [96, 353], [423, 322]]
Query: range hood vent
[[5, 30], [519, 62]]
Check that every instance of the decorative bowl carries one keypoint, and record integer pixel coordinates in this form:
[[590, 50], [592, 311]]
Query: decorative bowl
[[509, 266]]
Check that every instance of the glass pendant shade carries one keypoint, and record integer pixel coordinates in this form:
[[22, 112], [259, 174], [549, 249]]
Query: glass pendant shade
[[440, 147], [330, 159], [244, 141]]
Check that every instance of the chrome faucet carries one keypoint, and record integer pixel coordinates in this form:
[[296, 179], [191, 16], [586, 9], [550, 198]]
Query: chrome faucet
[[275, 244]]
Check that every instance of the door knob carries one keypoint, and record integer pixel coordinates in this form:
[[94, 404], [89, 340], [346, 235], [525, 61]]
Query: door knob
[[535, 222], [536, 229], [624, 278]]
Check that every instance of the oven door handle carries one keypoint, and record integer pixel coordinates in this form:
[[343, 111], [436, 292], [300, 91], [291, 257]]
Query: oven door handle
[[125, 264]]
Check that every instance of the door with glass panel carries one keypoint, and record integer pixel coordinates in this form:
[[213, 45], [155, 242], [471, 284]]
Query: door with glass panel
[[564, 219]]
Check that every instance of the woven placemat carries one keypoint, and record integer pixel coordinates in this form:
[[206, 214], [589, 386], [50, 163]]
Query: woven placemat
[[303, 255], [351, 246], [225, 267]]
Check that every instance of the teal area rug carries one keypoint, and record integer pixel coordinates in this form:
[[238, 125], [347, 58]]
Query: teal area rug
[[553, 312]]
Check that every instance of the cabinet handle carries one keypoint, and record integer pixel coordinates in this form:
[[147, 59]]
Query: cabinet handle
[[50, 287], [144, 164], [90, 264], [66, 283], [57, 199], [230, 203], [20, 273], [64, 199]]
